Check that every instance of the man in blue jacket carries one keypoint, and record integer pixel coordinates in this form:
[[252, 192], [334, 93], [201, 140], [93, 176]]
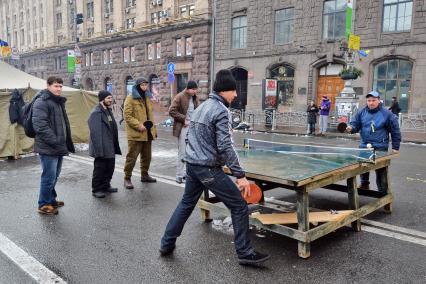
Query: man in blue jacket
[[375, 123], [209, 147]]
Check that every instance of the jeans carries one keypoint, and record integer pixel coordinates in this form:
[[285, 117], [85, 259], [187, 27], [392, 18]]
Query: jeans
[[365, 180], [103, 169], [51, 168], [323, 123], [199, 178], [180, 165]]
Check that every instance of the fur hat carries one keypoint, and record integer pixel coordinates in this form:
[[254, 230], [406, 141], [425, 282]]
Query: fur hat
[[224, 81], [140, 81]]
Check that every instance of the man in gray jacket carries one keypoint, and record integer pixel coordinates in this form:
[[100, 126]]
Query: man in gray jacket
[[52, 141], [103, 145], [210, 147]]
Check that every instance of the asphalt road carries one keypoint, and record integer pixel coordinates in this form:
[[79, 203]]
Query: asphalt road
[[116, 240]]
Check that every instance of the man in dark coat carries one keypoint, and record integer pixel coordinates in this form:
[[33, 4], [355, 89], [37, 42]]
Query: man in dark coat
[[103, 145], [52, 141], [395, 108], [312, 117]]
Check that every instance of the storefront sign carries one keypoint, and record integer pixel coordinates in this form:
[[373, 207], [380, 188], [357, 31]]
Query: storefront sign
[[269, 93]]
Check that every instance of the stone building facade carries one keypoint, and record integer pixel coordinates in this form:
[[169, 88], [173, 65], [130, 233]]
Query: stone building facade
[[113, 59], [298, 43]]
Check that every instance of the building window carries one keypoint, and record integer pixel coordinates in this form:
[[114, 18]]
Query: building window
[[154, 18], [284, 75], [284, 25], [90, 32], [91, 59], [108, 6], [109, 28], [392, 78], [187, 10], [59, 20], [90, 10], [179, 47], [87, 59], [58, 2], [126, 54], [188, 46], [334, 19], [132, 54], [397, 15], [151, 51], [239, 32], [105, 57], [130, 23], [110, 56], [130, 3], [158, 50]]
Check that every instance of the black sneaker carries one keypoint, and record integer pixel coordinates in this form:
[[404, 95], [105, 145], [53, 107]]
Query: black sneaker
[[254, 258], [99, 194], [167, 251], [111, 189]]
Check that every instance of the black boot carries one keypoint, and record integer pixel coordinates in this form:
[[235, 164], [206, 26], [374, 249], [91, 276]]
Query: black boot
[[147, 178]]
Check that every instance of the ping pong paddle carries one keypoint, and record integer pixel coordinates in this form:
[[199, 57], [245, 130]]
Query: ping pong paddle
[[256, 194], [341, 127], [148, 124]]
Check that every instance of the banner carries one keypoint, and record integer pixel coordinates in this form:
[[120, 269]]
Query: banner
[[70, 61], [354, 42], [269, 93], [348, 18]]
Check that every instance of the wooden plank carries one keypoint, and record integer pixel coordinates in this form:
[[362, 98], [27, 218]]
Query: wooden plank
[[291, 218], [329, 227], [388, 207], [279, 229], [205, 214], [363, 192], [353, 199]]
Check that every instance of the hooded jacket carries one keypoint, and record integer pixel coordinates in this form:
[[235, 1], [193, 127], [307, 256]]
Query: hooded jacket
[[325, 107], [179, 108], [15, 107], [51, 125], [209, 140], [137, 110], [375, 125]]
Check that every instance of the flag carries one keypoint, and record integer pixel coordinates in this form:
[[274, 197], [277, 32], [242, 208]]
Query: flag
[[348, 18], [364, 53], [70, 61]]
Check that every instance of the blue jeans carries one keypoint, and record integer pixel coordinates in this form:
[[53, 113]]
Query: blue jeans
[[199, 178], [51, 166], [365, 180]]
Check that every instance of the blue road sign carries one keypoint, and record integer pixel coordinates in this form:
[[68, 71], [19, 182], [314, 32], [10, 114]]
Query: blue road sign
[[171, 78], [171, 68]]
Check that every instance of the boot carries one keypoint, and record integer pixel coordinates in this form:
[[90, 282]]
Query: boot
[[128, 184], [147, 178]]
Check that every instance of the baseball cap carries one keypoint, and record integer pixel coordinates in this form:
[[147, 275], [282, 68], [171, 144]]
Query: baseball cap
[[373, 94]]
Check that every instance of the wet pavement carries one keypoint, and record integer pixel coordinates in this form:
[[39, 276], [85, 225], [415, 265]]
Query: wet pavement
[[116, 239]]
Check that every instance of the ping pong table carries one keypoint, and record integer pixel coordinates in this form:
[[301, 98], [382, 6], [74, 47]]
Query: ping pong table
[[305, 168]]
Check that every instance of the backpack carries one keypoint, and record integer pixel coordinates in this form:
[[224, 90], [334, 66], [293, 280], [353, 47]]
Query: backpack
[[27, 118]]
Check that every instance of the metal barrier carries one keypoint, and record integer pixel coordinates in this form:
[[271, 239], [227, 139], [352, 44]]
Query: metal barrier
[[411, 122]]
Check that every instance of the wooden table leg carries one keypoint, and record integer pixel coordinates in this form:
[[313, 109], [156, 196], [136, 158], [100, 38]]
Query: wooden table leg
[[386, 182], [304, 248], [205, 214], [353, 201]]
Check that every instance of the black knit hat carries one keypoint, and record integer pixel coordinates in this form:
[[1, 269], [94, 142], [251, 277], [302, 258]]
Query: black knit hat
[[140, 81], [191, 85], [224, 81], [103, 94]]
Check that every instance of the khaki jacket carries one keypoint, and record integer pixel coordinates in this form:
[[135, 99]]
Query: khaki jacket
[[134, 114], [179, 108]]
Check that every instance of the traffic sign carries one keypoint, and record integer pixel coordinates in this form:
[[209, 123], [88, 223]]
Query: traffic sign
[[171, 68], [171, 78]]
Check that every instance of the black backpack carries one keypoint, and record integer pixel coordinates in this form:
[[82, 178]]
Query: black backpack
[[27, 118]]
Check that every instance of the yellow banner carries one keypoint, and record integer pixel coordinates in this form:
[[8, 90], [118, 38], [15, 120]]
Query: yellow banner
[[354, 42], [6, 51]]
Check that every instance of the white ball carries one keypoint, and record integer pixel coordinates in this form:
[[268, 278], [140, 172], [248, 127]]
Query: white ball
[[369, 145]]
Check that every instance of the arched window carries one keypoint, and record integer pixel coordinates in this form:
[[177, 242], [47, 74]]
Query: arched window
[[392, 78], [89, 84], [108, 84], [129, 84], [284, 74]]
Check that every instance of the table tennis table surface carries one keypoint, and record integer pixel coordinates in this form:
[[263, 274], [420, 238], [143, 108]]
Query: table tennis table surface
[[294, 162]]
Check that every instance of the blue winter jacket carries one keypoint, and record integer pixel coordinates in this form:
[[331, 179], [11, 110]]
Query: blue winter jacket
[[209, 139], [375, 126]]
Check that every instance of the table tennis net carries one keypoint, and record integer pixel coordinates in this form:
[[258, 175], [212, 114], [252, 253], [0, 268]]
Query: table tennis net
[[312, 151]]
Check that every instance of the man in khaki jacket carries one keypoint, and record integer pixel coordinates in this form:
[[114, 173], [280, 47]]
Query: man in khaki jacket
[[139, 118], [181, 109]]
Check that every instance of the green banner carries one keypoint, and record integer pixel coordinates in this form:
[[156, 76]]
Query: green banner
[[70, 61], [348, 18]]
